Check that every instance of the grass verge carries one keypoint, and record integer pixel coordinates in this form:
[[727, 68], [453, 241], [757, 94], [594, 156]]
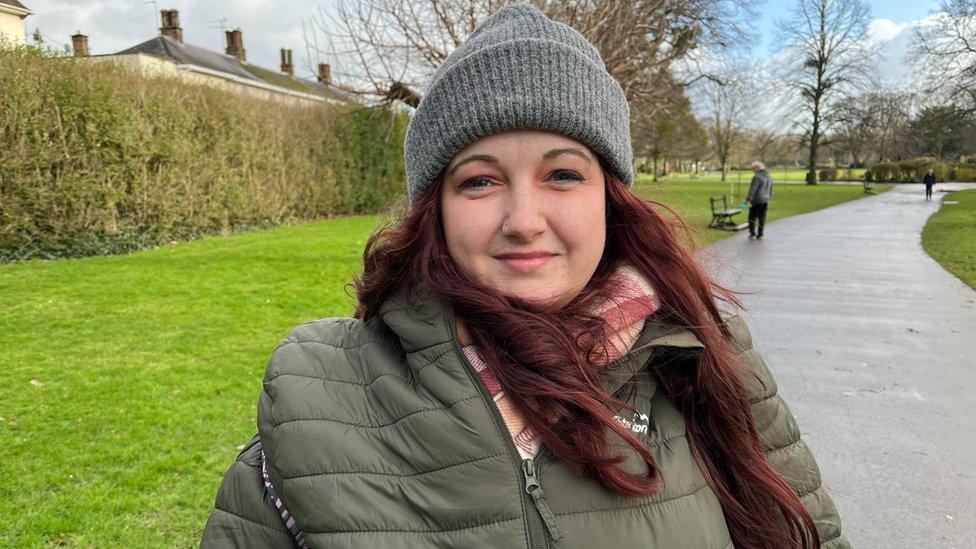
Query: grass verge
[[691, 200], [128, 382], [949, 235], [780, 175]]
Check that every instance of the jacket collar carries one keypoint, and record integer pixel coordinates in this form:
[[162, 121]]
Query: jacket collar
[[421, 320], [660, 336]]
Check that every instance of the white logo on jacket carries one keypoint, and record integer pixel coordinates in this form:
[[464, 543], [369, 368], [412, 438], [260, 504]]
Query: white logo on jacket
[[637, 424]]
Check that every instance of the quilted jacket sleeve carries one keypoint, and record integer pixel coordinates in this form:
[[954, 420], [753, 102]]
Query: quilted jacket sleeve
[[242, 517], [780, 435]]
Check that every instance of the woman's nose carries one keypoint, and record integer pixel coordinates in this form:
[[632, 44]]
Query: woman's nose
[[525, 216]]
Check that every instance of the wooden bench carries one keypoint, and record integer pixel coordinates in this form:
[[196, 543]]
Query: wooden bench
[[722, 214], [868, 187]]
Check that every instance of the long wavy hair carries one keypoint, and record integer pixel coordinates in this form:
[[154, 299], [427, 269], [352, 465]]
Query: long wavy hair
[[549, 361]]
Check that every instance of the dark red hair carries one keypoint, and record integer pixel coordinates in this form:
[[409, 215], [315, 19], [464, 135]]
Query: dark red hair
[[545, 359]]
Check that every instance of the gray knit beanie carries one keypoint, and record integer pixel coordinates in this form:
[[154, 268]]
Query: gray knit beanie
[[518, 70]]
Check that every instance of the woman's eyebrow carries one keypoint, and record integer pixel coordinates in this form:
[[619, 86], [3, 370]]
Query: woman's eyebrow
[[556, 152], [491, 159], [472, 158]]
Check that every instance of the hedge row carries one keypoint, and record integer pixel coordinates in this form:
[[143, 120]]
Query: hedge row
[[96, 160], [912, 171]]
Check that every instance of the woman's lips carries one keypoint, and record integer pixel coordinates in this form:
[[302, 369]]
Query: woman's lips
[[525, 263]]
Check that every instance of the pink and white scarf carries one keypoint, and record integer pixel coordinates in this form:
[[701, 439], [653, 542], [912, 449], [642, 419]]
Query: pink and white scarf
[[624, 314]]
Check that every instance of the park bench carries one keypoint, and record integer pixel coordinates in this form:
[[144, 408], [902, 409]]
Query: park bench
[[868, 187], [722, 215]]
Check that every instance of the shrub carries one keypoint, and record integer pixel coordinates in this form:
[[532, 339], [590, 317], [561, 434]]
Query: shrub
[[94, 159], [828, 174], [964, 173], [909, 171], [885, 172]]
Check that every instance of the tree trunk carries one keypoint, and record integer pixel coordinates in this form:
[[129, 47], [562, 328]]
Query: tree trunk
[[654, 169], [812, 161]]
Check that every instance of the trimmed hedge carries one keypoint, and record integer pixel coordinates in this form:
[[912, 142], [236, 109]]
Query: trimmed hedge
[[828, 174], [912, 171], [96, 160]]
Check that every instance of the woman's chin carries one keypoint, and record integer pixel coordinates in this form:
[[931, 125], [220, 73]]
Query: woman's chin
[[539, 296]]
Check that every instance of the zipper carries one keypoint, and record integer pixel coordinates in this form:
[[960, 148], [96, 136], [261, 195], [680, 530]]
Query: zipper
[[533, 520], [533, 488]]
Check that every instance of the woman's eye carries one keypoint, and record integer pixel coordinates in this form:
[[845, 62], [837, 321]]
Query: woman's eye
[[566, 175], [475, 183]]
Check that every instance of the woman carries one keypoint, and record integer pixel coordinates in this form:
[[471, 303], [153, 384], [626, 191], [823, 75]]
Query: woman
[[535, 361]]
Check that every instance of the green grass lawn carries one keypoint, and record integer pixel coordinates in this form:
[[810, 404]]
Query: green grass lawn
[[949, 236], [691, 200], [127, 383], [779, 175]]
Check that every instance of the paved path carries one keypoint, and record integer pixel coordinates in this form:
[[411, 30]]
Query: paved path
[[874, 346]]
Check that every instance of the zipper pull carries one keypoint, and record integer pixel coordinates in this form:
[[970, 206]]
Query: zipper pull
[[533, 488]]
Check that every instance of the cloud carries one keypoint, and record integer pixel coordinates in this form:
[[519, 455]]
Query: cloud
[[894, 64], [882, 30], [777, 109]]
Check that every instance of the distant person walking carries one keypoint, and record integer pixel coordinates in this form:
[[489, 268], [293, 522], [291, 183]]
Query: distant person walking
[[760, 193], [929, 180]]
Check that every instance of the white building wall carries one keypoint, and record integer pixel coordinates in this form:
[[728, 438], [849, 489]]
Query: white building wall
[[12, 28], [153, 67]]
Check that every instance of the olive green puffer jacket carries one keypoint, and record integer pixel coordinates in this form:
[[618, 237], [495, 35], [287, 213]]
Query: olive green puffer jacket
[[378, 435]]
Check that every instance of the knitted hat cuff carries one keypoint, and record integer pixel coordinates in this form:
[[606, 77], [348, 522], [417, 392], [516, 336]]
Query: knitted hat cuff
[[536, 84]]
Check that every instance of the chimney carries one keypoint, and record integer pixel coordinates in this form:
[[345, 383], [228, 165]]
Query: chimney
[[286, 66], [235, 44], [325, 74], [80, 44], [171, 24]]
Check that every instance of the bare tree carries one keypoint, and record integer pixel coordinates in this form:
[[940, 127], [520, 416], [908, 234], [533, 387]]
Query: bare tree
[[388, 49], [874, 126], [764, 143], [943, 131], [945, 53], [827, 40], [728, 105], [856, 127], [664, 133]]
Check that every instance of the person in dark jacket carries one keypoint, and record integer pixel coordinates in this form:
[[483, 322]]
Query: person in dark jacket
[[929, 180], [535, 359], [760, 193]]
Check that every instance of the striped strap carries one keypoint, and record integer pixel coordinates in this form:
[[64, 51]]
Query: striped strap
[[290, 523]]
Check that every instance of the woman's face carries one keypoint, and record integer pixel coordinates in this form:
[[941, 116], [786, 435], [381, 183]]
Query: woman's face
[[524, 214]]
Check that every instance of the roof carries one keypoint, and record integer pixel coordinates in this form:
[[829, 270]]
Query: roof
[[171, 49], [15, 7], [13, 3]]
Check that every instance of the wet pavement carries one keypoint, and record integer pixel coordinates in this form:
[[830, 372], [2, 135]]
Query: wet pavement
[[873, 345]]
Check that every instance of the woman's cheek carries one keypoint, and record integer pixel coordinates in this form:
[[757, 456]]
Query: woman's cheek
[[583, 229]]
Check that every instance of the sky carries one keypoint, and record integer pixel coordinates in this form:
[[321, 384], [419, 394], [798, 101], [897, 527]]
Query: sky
[[892, 22], [891, 15], [268, 25]]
